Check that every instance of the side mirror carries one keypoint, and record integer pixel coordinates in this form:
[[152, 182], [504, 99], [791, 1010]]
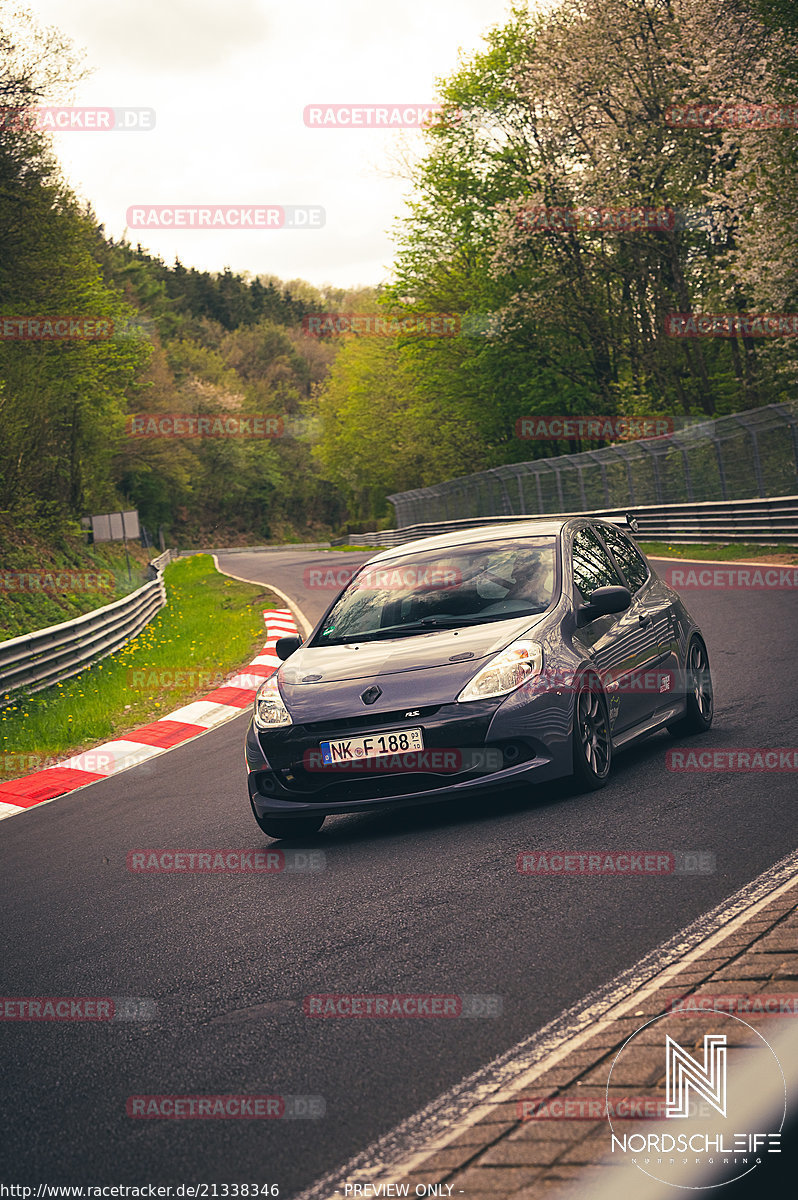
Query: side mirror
[[285, 646], [603, 601]]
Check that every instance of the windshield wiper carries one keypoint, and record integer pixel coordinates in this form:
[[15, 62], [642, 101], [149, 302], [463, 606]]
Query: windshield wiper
[[425, 625]]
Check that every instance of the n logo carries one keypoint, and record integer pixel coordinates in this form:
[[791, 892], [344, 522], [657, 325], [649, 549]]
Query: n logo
[[684, 1072]]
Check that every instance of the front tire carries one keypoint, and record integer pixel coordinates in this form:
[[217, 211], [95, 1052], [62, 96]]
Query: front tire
[[288, 827], [700, 707], [592, 740]]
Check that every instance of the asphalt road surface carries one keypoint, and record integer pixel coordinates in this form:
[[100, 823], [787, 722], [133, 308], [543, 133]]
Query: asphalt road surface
[[428, 901]]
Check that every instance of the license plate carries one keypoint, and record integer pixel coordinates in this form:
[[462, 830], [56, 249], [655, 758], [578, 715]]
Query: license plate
[[395, 741]]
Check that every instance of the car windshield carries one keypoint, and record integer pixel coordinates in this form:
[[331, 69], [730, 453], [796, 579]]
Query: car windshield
[[444, 589]]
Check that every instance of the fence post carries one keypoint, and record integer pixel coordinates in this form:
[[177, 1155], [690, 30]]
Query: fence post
[[740, 419], [605, 487]]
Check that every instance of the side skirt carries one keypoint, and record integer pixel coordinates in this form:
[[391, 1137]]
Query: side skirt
[[657, 720]]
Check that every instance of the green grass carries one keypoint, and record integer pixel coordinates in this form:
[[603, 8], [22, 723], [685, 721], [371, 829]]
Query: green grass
[[721, 551], [211, 626], [29, 600]]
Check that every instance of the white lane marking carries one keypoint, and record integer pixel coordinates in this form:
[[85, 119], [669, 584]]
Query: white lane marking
[[244, 682], [402, 1151], [300, 617], [128, 754], [157, 750]]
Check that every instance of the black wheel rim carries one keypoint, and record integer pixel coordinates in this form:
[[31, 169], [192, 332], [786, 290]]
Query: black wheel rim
[[594, 733], [700, 679]]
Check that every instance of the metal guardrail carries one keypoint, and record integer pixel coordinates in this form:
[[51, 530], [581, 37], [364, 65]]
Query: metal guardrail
[[156, 565], [774, 519], [259, 549], [37, 660]]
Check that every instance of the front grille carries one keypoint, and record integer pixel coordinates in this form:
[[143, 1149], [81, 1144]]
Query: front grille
[[298, 777], [367, 787], [369, 720], [445, 727], [371, 780]]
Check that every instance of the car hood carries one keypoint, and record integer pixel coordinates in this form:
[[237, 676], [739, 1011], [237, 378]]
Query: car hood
[[425, 668]]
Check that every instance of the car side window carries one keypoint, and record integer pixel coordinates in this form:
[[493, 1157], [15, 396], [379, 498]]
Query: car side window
[[628, 556], [592, 566]]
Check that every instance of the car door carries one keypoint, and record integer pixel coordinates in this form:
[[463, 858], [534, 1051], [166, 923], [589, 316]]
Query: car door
[[623, 646], [653, 601]]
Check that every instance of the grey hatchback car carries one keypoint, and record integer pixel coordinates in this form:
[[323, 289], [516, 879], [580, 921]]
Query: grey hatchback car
[[457, 664]]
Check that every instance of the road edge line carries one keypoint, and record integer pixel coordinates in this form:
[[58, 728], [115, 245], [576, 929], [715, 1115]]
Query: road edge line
[[293, 606], [462, 1106]]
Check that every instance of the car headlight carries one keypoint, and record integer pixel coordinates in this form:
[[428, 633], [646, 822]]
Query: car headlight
[[270, 712], [504, 673]]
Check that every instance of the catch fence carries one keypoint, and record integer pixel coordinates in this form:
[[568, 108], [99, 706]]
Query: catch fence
[[737, 457]]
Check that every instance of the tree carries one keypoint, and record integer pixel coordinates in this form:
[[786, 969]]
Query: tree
[[62, 401]]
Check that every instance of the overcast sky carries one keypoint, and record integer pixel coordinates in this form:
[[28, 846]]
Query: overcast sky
[[229, 80]]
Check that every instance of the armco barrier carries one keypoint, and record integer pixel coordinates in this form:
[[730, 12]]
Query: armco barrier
[[140, 745], [37, 660], [762, 520], [256, 549]]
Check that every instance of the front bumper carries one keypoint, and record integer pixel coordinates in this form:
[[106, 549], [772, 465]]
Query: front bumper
[[525, 739]]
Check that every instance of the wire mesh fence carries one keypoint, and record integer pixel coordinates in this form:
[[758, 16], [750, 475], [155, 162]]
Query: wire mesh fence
[[740, 456]]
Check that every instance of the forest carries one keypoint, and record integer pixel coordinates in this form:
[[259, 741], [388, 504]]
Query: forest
[[597, 174]]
